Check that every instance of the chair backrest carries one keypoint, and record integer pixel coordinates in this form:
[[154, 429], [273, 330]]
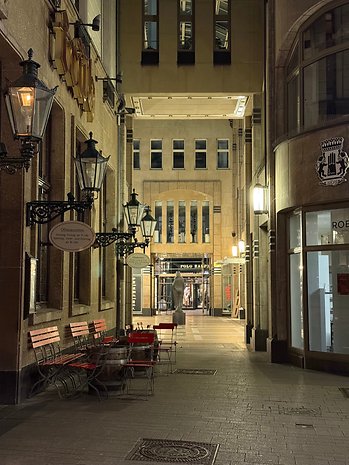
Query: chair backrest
[[99, 328], [45, 342], [80, 333], [138, 337], [166, 332]]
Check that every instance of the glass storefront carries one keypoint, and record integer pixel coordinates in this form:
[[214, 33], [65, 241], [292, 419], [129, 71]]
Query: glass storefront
[[320, 288]]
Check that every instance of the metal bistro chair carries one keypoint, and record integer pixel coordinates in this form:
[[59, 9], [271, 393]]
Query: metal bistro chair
[[140, 360], [167, 350]]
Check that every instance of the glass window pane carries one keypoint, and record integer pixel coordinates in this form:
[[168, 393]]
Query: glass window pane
[[185, 6], [295, 231], [181, 221], [194, 220], [178, 144], [296, 302], [330, 29], [150, 35], [222, 7], [222, 144], [223, 160], [170, 221], [205, 221], [156, 144], [327, 227], [136, 144], [200, 144], [326, 89], [156, 160], [200, 159], [178, 160], [185, 35], [221, 35], [328, 301], [136, 161], [150, 7], [158, 216], [293, 104], [293, 62]]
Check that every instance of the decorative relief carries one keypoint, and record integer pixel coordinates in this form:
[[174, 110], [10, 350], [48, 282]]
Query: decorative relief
[[68, 56]]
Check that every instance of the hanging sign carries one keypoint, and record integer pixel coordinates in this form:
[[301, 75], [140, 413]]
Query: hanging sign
[[138, 260], [332, 165], [72, 236]]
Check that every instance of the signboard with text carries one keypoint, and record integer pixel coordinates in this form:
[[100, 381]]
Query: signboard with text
[[72, 236]]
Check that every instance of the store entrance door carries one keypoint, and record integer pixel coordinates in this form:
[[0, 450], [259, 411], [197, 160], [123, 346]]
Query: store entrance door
[[197, 284]]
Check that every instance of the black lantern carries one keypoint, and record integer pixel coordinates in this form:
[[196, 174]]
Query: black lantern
[[91, 167], [29, 102], [148, 224], [134, 212]]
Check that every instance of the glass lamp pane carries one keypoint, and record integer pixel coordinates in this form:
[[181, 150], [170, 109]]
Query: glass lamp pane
[[42, 109], [148, 225]]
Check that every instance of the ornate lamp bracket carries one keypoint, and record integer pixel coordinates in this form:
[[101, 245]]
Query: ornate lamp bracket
[[42, 211]]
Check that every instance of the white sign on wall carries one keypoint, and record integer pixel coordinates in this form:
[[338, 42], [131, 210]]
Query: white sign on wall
[[138, 260], [72, 236]]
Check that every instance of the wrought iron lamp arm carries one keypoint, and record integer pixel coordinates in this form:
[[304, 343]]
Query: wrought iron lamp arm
[[106, 238], [13, 164], [44, 211]]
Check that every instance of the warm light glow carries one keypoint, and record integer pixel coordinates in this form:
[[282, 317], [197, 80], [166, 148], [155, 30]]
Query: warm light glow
[[259, 199], [26, 96], [234, 251], [241, 246]]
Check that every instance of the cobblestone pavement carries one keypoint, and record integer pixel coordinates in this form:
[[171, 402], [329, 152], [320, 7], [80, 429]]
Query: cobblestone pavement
[[257, 412]]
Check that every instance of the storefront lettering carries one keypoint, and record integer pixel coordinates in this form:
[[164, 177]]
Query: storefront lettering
[[68, 56], [340, 224]]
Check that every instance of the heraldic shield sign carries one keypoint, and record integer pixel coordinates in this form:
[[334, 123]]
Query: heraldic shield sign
[[332, 164]]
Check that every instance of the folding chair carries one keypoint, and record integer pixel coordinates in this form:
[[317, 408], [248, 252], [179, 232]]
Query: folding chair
[[89, 370], [81, 335], [99, 329], [140, 360], [167, 350]]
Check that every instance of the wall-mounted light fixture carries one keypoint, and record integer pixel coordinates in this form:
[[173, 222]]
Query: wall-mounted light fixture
[[234, 251], [28, 102], [95, 25], [241, 246], [126, 242], [91, 167], [260, 200]]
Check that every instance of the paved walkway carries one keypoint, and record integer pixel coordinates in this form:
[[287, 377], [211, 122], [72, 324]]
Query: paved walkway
[[257, 412]]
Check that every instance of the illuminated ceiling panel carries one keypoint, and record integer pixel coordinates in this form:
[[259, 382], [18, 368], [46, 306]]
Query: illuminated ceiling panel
[[163, 107]]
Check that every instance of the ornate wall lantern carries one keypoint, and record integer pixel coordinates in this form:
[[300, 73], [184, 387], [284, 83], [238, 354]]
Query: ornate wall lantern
[[91, 168], [28, 102]]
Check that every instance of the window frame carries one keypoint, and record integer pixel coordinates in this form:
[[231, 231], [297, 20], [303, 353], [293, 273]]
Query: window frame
[[200, 151], [186, 56], [150, 56], [219, 151], [154, 152], [136, 154], [222, 56], [175, 152], [295, 66]]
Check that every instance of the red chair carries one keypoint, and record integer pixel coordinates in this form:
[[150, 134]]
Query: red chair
[[140, 360], [167, 344]]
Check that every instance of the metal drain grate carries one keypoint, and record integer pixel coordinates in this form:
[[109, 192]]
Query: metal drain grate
[[345, 392], [167, 451], [312, 412], [193, 371]]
